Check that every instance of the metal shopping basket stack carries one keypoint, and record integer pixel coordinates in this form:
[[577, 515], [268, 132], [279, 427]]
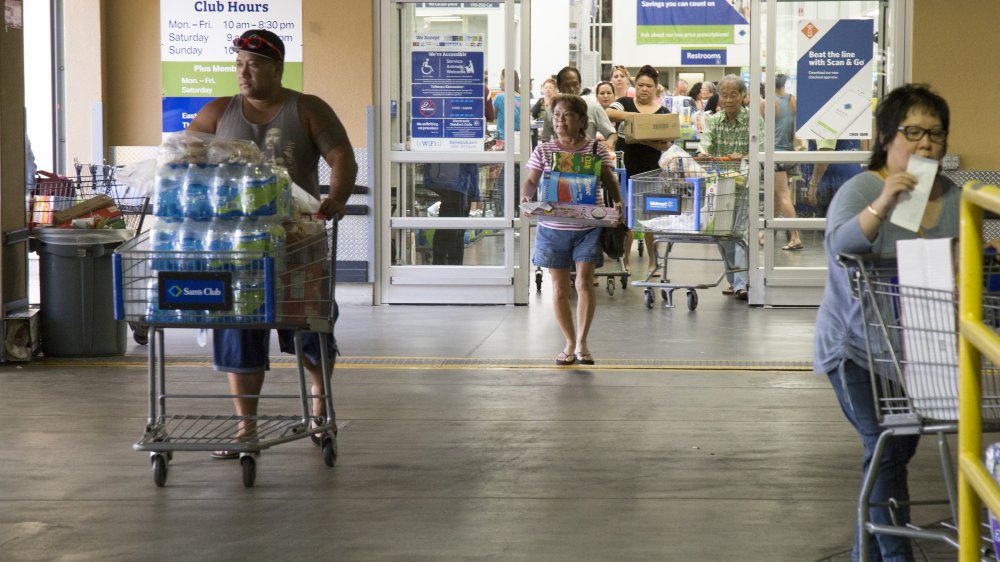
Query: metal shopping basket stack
[[287, 288], [695, 201], [912, 345]]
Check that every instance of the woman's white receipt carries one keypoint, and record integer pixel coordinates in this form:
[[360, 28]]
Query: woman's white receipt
[[910, 206]]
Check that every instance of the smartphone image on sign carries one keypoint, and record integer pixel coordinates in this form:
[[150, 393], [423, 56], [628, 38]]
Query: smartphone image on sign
[[840, 115]]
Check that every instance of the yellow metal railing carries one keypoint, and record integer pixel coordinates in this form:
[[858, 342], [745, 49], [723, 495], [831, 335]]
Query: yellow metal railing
[[975, 485]]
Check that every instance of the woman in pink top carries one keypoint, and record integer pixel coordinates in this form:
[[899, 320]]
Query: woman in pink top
[[559, 245]]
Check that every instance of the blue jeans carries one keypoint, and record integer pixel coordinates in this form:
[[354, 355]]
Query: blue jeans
[[735, 256], [852, 384]]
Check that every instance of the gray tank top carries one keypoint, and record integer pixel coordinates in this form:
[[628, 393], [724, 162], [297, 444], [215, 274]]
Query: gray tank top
[[784, 127], [283, 140]]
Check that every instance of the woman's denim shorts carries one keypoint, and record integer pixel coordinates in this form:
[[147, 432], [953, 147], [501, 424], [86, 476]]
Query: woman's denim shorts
[[562, 249]]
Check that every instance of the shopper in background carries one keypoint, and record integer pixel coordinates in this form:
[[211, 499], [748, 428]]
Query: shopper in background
[[308, 130], [622, 82], [641, 156], [910, 120], [498, 105], [704, 93], [560, 246], [727, 134], [827, 178], [784, 139], [605, 93], [568, 82], [549, 89]]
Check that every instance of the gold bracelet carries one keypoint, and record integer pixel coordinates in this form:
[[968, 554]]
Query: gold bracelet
[[877, 215]]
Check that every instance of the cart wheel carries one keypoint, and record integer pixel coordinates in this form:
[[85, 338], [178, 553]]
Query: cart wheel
[[625, 281], [159, 470], [665, 295], [647, 295], [141, 335], [692, 300], [249, 466], [538, 281], [329, 451], [640, 247], [611, 286]]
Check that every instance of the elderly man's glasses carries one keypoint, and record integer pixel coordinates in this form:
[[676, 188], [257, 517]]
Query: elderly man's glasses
[[914, 133], [254, 42]]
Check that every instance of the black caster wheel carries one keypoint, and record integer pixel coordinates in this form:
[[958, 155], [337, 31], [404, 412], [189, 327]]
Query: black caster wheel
[[692, 300], [648, 297], [624, 281], [159, 470], [611, 286], [538, 281], [641, 244], [665, 295], [329, 451], [249, 466], [141, 335]]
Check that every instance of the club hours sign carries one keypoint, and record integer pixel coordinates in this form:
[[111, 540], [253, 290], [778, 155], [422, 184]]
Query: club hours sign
[[196, 57]]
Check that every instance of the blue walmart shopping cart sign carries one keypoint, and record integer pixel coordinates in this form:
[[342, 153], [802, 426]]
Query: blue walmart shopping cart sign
[[660, 204]]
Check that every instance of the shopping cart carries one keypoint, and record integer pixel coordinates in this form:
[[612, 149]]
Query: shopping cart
[[912, 347], [695, 201], [52, 193], [289, 289]]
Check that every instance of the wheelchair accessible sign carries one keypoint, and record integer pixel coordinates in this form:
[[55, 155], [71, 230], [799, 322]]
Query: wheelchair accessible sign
[[447, 93]]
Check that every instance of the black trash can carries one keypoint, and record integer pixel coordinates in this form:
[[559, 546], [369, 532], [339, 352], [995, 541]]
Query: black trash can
[[77, 292]]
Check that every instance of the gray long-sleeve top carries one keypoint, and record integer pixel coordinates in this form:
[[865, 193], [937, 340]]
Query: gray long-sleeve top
[[839, 328]]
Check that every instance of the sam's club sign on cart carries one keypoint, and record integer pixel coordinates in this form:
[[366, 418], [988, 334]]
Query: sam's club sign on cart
[[196, 55]]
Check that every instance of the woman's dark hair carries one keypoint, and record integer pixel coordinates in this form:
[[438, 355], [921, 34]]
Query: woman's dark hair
[[894, 108], [597, 88], [561, 75], [713, 103], [576, 104], [650, 72], [695, 91]]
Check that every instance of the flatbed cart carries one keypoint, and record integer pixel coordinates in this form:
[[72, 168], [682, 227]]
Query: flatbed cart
[[52, 193], [911, 340], [700, 201], [289, 289], [621, 274]]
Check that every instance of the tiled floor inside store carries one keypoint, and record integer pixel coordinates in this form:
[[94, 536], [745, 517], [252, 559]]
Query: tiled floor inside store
[[697, 436]]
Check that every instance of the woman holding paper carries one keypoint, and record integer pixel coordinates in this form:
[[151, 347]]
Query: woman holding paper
[[561, 245], [640, 156], [865, 216]]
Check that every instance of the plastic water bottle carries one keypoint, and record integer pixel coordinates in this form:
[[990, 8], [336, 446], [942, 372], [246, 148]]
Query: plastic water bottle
[[251, 236], [190, 243], [167, 191], [153, 300], [219, 242], [195, 203], [283, 193], [224, 196], [248, 298], [258, 192], [162, 238]]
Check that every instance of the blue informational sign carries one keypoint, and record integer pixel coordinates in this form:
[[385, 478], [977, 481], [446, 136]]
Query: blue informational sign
[[447, 91], [178, 112], [195, 291], [711, 22], [704, 57], [835, 79], [661, 204]]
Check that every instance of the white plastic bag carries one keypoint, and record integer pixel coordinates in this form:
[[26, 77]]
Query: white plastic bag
[[675, 159]]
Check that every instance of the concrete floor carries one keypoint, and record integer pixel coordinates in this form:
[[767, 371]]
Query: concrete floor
[[697, 436]]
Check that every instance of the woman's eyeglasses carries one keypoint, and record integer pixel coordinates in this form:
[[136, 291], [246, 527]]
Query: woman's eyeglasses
[[254, 42], [914, 133]]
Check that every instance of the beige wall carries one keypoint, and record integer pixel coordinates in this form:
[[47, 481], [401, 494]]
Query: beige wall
[[337, 44], [84, 73], [954, 45]]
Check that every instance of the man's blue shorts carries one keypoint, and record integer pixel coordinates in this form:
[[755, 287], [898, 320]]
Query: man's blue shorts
[[562, 249], [247, 351]]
